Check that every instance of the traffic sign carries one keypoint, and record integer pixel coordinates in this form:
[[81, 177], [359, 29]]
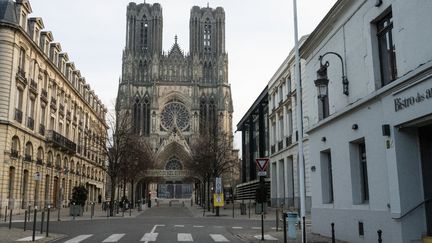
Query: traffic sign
[[262, 163], [218, 187], [262, 173], [218, 200]]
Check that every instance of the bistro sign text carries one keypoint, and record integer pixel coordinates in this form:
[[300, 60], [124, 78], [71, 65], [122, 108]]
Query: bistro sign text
[[403, 103]]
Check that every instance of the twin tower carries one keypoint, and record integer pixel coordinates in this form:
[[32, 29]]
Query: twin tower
[[144, 60]]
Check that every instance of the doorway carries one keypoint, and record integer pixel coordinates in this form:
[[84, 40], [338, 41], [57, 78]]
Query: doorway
[[425, 137], [55, 191]]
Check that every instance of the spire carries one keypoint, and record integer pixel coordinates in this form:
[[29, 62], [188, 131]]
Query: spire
[[208, 5], [175, 39]]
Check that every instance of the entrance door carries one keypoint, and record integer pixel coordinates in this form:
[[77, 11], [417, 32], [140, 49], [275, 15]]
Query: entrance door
[[425, 134]]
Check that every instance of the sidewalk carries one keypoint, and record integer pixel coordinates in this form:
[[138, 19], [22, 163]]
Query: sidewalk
[[227, 212], [14, 234]]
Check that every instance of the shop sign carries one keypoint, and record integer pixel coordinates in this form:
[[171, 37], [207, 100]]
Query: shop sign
[[407, 102]]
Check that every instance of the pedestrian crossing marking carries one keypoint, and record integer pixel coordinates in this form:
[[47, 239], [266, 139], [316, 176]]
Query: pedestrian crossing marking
[[266, 237], [218, 238], [237, 227], [30, 238], [184, 237], [149, 237], [198, 226], [114, 238], [179, 226], [78, 239]]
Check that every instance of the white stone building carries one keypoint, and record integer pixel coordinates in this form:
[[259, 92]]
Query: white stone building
[[284, 166], [370, 145]]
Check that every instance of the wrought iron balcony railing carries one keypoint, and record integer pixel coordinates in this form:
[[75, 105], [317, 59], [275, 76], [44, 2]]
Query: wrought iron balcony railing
[[30, 123], [42, 129], [14, 153], [18, 115], [60, 141]]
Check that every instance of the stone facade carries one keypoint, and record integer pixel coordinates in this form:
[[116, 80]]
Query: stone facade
[[51, 123], [173, 96]]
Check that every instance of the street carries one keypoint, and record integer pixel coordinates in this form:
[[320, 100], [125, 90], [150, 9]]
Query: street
[[159, 224]]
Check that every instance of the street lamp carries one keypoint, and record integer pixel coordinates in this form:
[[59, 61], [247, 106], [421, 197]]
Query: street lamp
[[345, 82], [322, 81]]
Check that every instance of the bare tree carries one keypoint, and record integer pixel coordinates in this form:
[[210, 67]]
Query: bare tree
[[212, 156], [137, 159]]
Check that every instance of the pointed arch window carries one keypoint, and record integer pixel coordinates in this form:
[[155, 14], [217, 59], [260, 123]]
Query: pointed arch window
[[144, 34], [146, 116], [137, 115], [207, 35], [203, 115]]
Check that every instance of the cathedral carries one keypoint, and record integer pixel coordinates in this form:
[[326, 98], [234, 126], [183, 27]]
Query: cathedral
[[173, 97]]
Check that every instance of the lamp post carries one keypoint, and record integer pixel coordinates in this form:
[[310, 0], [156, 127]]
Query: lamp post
[[345, 83]]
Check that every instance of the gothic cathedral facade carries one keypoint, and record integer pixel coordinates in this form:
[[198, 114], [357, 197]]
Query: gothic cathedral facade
[[173, 97]]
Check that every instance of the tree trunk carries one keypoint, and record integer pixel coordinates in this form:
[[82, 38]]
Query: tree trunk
[[208, 194], [124, 188], [132, 194], [113, 187]]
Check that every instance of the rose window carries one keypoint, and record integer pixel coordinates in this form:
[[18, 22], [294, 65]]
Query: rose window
[[175, 113], [173, 164]]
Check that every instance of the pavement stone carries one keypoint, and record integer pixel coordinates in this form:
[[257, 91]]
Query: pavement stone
[[14, 234]]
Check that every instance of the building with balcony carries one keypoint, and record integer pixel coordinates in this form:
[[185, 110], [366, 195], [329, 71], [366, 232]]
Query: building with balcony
[[51, 122], [283, 137], [370, 138]]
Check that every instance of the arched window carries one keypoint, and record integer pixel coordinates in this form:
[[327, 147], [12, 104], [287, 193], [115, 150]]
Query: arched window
[[207, 35], [15, 147], [173, 164], [144, 34], [50, 159], [39, 156], [58, 161], [146, 116], [203, 115], [28, 153], [72, 166], [11, 184], [137, 115], [65, 162]]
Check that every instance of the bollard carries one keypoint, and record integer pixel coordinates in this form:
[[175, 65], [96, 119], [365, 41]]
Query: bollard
[[130, 211], [29, 210], [284, 215], [333, 233], [92, 211], [304, 229], [6, 213], [58, 213], [233, 208], [249, 207], [10, 219], [48, 218], [25, 220], [34, 223], [379, 236], [277, 219], [73, 211], [42, 221]]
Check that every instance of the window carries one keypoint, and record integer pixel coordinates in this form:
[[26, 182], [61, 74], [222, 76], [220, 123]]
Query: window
[[359, 176], [290, 123], [326, 177], [323, 107], [288, 85], [387, 51], [207, 36], [21, 64]]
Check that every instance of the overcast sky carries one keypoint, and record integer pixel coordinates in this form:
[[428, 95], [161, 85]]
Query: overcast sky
[[259, 36]]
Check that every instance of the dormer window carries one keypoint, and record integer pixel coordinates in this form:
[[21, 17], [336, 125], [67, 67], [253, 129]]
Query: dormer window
[[23, 20], [36, 35]]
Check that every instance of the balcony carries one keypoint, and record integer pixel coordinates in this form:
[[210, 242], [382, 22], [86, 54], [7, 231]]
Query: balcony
[[18, 115], [14, 153], [44, 95], [288, 140], [273, 149], [42, 129], [27, 158], [33, 86], [53, 103], [30, 123], [61, 142], [280, 145], [20, 76], [39, 161]]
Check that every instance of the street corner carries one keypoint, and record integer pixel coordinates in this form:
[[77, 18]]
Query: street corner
[[18, 235]]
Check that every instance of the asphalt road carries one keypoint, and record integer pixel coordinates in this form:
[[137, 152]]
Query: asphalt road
[[159, 224]]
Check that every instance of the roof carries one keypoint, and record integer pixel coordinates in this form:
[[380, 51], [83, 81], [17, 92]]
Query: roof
[[8, 12]]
